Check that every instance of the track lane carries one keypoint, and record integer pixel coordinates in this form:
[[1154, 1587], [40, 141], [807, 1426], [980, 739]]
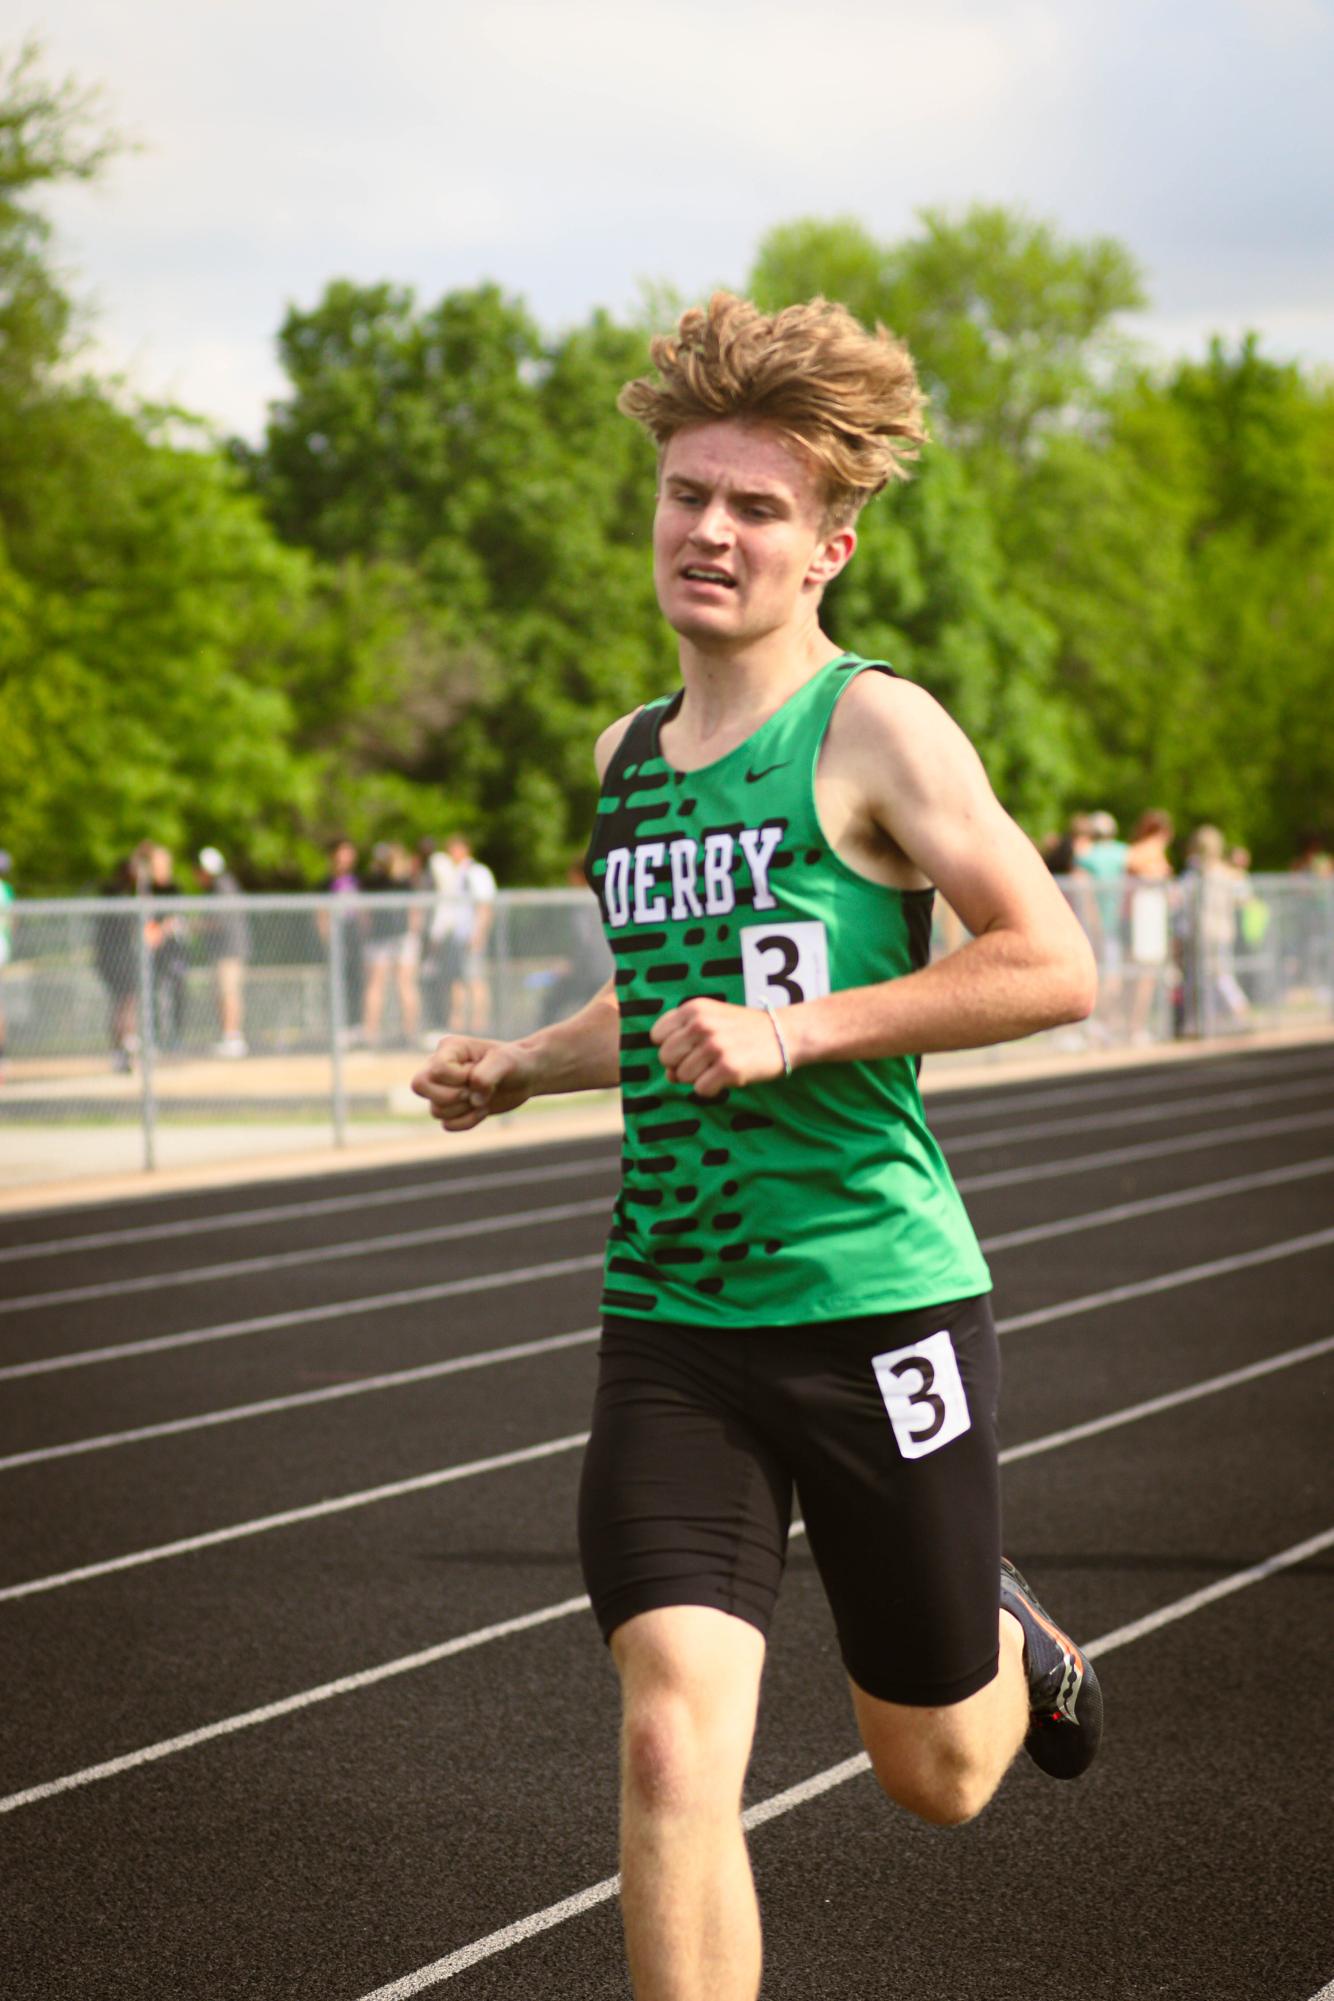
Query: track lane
[[403, 1814], [384, 1548], [762, 1813], [1232, 1219]]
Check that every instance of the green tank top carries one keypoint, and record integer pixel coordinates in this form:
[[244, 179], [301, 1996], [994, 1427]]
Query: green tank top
[[812, 1197]]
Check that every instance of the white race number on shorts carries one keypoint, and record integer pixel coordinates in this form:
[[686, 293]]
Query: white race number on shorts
[[923, 1394], [784, 963]]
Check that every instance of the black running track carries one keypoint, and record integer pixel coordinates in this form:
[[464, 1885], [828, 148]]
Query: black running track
[[300, 1700]]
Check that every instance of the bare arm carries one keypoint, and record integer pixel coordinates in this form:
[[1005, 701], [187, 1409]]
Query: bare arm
[[470, 1076], [1026, 966]]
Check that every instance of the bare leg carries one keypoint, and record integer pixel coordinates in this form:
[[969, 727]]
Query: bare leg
[[690, 1679], [230, 976], [373, 999], [124, 1016], [945, 1764], [408, 1000]]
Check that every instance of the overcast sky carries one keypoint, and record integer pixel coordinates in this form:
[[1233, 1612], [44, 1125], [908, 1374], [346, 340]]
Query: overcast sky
[[570, 149]]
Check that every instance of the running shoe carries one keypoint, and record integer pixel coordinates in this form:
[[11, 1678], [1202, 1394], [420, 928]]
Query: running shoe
[[1064, 1699]]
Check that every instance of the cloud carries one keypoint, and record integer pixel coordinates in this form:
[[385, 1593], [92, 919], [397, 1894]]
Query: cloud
[[569, 150]]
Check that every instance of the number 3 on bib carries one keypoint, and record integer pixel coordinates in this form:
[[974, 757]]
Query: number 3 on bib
[[924, 1394], [782, 964]]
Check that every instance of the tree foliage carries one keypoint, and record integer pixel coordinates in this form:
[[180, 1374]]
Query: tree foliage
[[48, 134], [1011, 327], [419, 598]]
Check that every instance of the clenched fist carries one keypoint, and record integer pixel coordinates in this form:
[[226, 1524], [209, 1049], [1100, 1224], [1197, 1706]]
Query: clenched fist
[[717, 1047], [469, 1078]]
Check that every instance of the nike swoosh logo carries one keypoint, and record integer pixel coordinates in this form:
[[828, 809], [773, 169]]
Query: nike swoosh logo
[[753, 777]]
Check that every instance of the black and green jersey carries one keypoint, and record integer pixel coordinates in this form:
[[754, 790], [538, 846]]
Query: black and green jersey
[[815, 1196]]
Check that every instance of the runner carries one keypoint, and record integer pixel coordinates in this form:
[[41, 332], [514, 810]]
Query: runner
[[794, 1301]]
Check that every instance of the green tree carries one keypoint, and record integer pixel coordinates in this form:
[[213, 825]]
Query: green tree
[[1183, 560], [48, 134], [1013, 327], [144, 663], [494, 472], [148, 615], [929, 592]]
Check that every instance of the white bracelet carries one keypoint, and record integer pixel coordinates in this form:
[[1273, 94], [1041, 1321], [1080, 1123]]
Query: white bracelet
[[778, 1037]]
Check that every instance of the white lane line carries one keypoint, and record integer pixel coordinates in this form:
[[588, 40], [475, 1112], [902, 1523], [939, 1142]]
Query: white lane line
[[302, 1316], [1168, 1282], [1014, 1323], [1170, 1400], [1158, 1149], [444, 1186], [1134, 1115], [439, 1189], [444, 1969], [367, 1677], [1153, 1205], [395, 1379], [534, 1219], [358, 1247], [1325, 1994], [603, 1892], [120, 1351], [289, 1517], [1160, 1082], [1195, 1601], [348, 1684]]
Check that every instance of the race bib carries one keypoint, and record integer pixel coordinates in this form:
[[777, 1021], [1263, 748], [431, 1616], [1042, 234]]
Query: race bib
[[784, 963], [924, 1394]]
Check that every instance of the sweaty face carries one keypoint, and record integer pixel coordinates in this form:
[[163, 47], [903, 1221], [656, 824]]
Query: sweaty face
[[739, 550]]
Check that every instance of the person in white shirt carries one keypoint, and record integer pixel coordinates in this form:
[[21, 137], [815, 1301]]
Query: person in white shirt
[[474, 915]]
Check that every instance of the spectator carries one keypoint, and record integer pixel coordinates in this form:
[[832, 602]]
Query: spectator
[[1148, 927], [1313, 855], [343, 880], [1061, 852], [1100, 861], [168, 960], [1219, 891], [6, 939], [226, 937], [443, 963], [475, 910], [1055, 851], [116, 957], [392, 942], [1147, 854], [1254, 920], [1104, 856]]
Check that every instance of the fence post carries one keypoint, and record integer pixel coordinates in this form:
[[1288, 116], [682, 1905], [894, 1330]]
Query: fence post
[[502, 987], [147, 1035], [337, 1022]]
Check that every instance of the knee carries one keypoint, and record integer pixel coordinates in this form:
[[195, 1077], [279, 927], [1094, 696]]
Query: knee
[[943, 1784], [689, 1689], [665, 1762]]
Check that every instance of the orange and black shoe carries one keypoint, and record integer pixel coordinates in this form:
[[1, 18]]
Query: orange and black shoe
[[1064, 1699]]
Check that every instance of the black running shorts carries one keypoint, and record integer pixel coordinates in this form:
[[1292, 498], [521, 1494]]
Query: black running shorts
[[885, 1429]]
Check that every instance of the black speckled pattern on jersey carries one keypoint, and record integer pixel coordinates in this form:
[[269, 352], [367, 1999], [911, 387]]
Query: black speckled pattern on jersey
[[815, 1196]]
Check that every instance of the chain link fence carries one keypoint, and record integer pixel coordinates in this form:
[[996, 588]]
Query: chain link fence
[[143, 1032]]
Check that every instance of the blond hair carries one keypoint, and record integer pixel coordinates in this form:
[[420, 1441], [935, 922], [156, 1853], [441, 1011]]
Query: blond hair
[[847, 400]]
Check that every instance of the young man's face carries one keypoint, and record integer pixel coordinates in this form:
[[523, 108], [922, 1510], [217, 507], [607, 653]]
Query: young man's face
[[739, 547]]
